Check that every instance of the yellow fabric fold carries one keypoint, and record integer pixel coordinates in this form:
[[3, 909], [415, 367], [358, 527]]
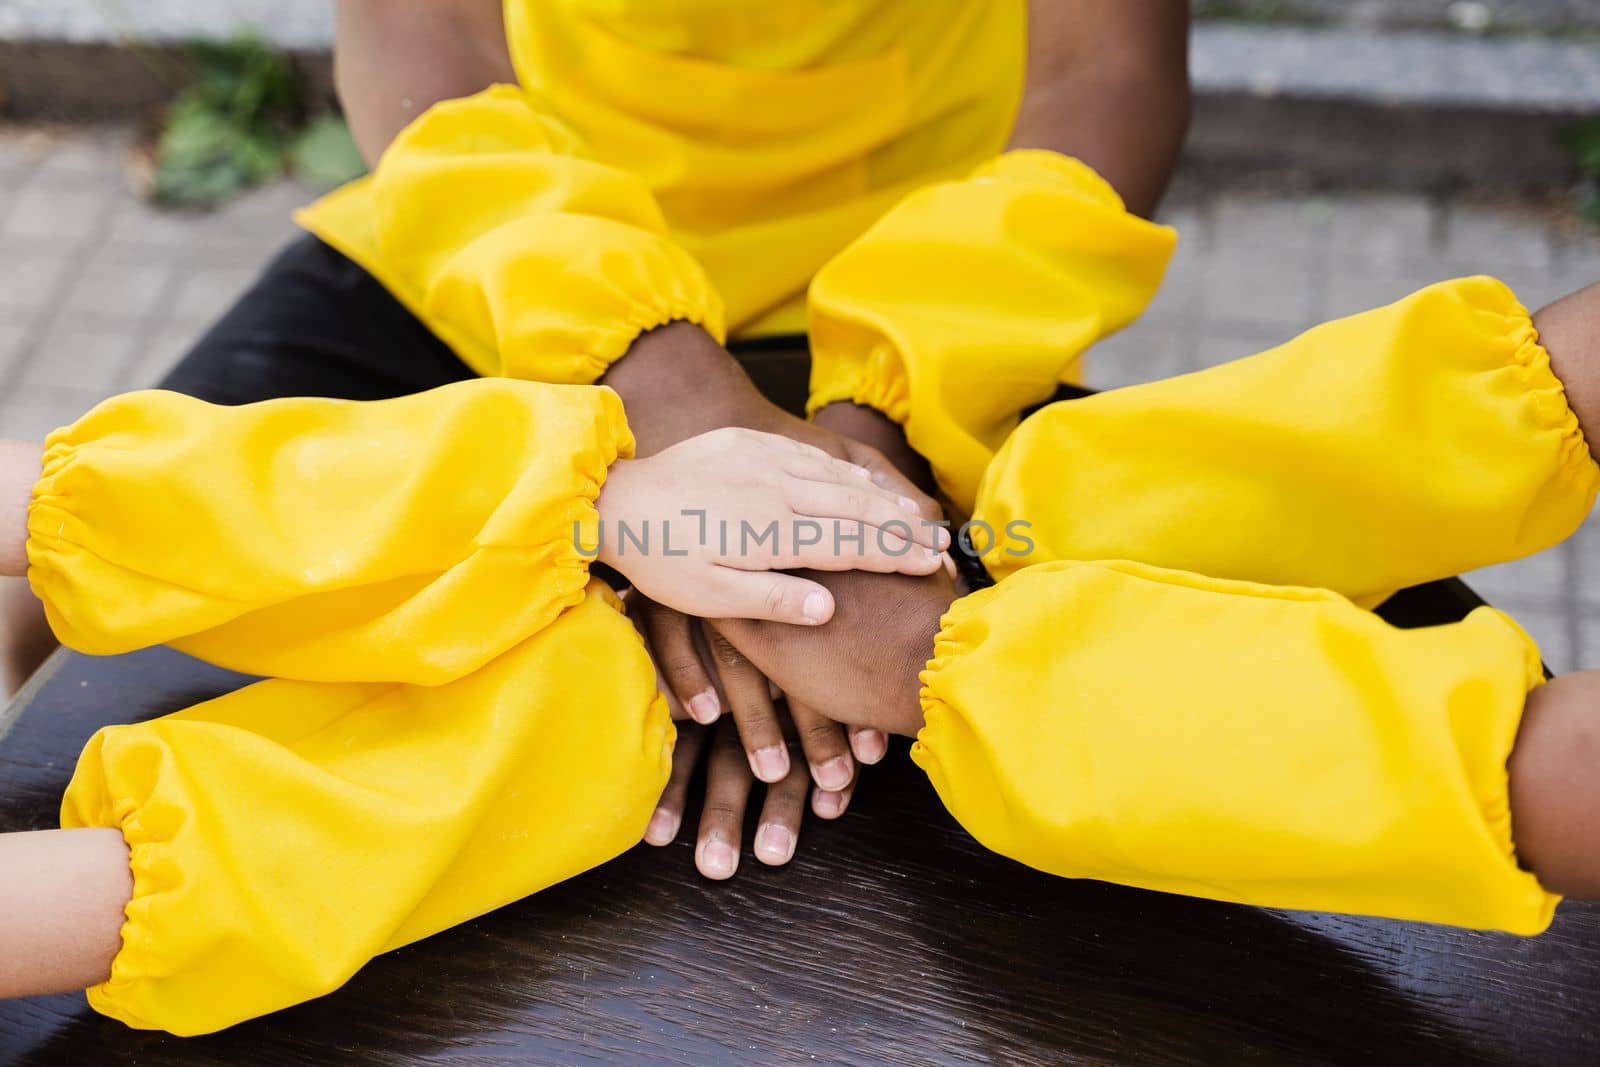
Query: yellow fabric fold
[[1374, 452], [527, 258], [283, 835], [972, 300], [399, 540], [1272, 746]]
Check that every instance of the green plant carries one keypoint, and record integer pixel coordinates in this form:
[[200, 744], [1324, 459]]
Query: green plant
[[1583, 141], [228, 130], [237, 124]]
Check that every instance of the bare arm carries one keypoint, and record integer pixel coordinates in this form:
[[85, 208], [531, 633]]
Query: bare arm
[[62, 894], [1108, 83], [393, 59]]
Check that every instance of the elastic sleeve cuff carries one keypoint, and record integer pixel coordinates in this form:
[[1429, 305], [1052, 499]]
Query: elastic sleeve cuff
[[879, 382], [1145, 742], [972, 300], [284, 834], [600, 285], [486, 219], [1451, 379], [403, 540], [1544, 395]]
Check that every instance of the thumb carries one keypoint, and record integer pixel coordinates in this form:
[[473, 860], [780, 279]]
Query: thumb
[[766, 596]]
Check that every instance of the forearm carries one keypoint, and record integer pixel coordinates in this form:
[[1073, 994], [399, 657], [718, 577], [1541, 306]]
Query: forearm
[[1108, 83], [393, 61], [19, 469], [61, 909]]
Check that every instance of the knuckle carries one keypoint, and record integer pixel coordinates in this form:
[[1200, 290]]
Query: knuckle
[[682, 665], [776, 598], [820, 732], [723, 811], [727, 655]]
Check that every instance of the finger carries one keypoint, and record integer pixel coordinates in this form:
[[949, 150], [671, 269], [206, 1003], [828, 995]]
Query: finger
[[847, 545], [679, 664], [807, 452], [732, 593], [830, 805], [728, 784], [837, 544], [750, 700], [818, 466], [888, 476], [668, 816], [826, 748], [887, 511], [868, 746], [778, 830]]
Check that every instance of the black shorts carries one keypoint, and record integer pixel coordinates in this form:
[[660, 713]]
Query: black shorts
[[315, 324]]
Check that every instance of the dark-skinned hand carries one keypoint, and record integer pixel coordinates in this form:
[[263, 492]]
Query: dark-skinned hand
[[862, 668], [729, 776]]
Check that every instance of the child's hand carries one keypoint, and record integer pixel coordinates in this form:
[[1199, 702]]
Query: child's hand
[[704, 525]]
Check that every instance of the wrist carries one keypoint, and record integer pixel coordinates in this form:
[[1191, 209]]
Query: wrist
[[613, 506], [676, 381], [908, 700], [19, 470]]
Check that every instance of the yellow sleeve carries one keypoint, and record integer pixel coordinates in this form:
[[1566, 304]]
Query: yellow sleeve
[[1378, 451], [398, 540], [528, 259], [1265, 745], [972, 300], [283, 835]]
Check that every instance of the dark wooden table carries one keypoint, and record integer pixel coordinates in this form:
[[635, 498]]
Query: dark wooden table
[[891, 938]]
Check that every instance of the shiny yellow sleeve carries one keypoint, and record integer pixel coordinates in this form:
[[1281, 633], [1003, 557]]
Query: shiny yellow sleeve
[[1266, 745], [398, 540], [972, 300], [1374, 452], [531, 261], [283, 835]]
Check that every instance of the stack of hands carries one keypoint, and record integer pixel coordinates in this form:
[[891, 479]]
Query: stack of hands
[[772, 650]]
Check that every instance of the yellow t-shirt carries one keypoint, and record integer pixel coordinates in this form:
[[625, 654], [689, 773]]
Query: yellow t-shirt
[[771, 135]]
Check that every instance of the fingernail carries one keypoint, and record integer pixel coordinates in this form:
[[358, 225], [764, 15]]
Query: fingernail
[[704, 708], [864, 472], [717, 859], [907, 504], [815, 607], [775, 843], [771, 764], [828, 805], [930, 556], [941, 537], [663, 827], [871, 746], [832, 775]]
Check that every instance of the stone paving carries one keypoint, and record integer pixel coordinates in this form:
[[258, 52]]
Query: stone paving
[[100, 293]]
